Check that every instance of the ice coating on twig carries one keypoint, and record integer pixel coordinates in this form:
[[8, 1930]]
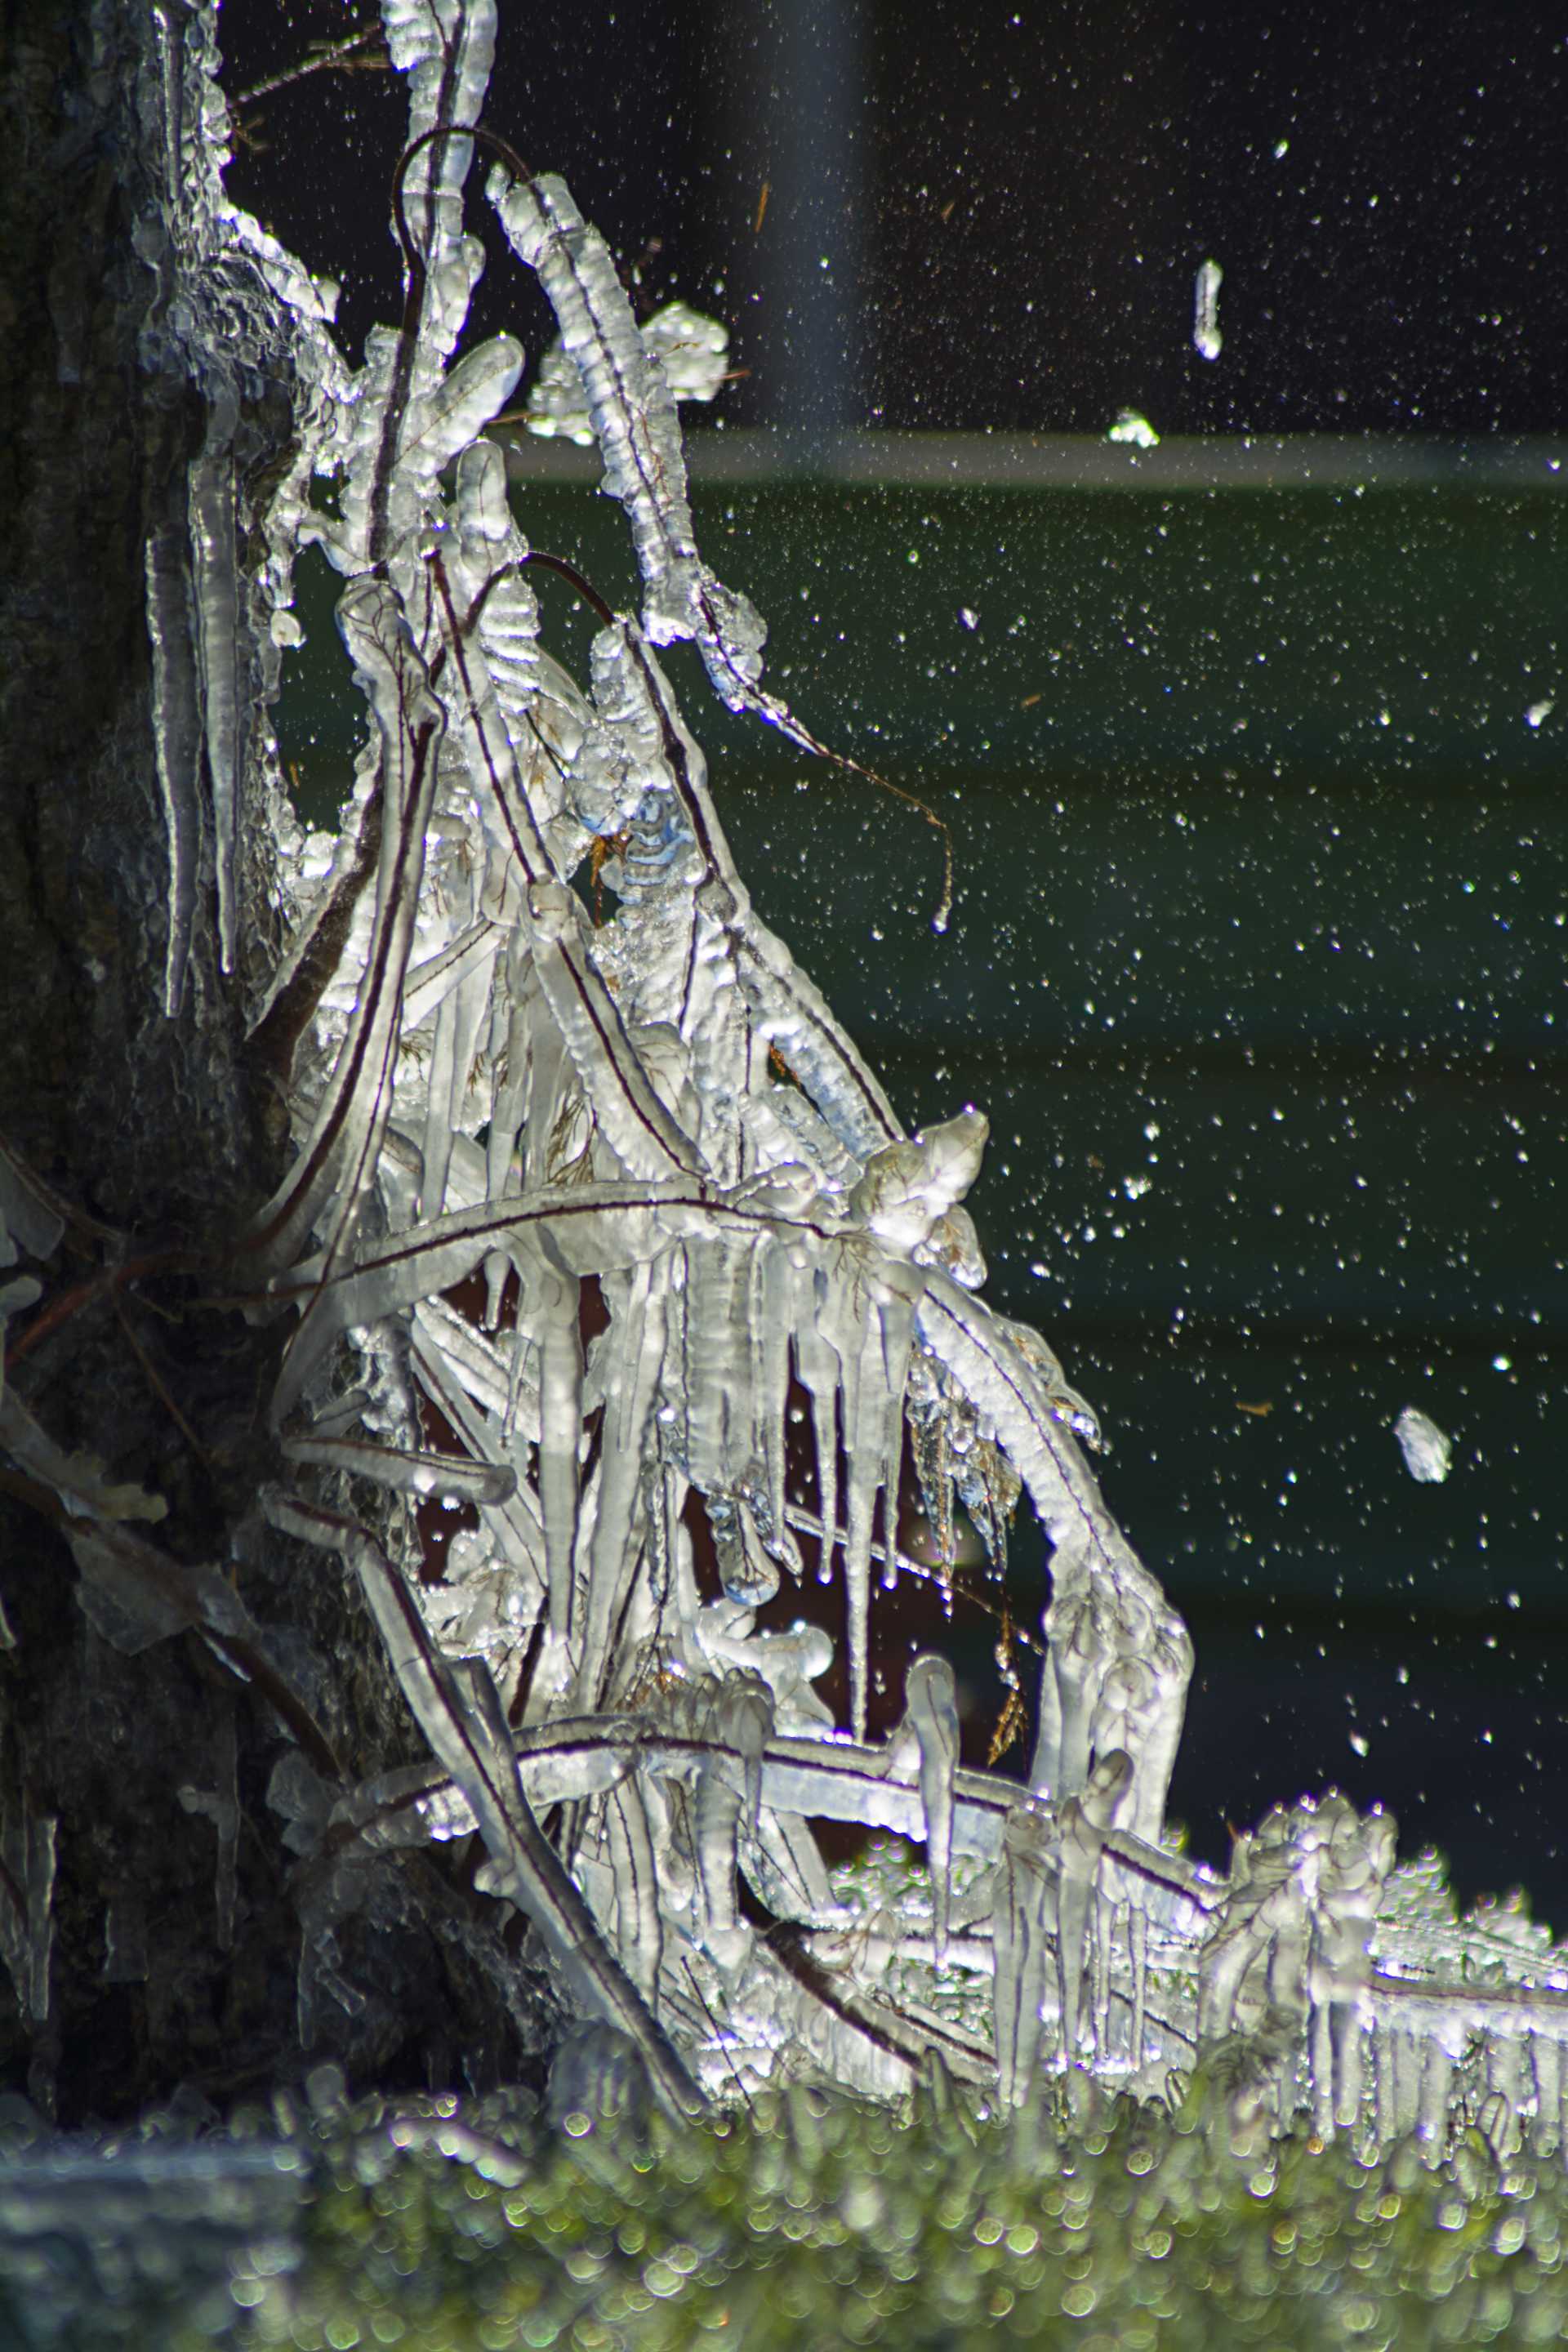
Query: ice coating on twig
[[630, 407], [690, 349], [632, 411]]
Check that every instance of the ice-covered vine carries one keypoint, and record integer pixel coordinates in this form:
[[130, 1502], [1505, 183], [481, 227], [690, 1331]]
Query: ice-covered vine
[[504, 1113]]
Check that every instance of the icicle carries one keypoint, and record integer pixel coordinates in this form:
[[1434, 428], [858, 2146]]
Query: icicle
[[1505, 2068], [1384, 2107], [598, 2089], [456, 1033], [931, 1705], [125, 1937], [1546, 2066], [742, 1718], [39, 1887], [221, 1806], [630, 1392], [874, 1360], [953, 2127], [1159, 1721], [1024, 1920], [1236, 1942], [746, 1569], [714, 1385], [1356, 1857], [1077, 1657], [552, 1307], [176, 739], [1081, 1823], [639, 1928], [1410, 2083], [728, 1792], [215, 584], [775, 1312], [863, 1481], [1138, 1944], [27, 1910], [817, 1365]]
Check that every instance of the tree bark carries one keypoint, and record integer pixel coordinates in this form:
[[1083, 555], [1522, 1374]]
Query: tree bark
[[182, 1941]]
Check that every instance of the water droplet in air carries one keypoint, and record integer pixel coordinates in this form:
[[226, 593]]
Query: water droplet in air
[[1429, 1453]]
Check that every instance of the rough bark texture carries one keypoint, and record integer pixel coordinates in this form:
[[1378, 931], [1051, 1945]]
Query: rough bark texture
[[156, 1133]]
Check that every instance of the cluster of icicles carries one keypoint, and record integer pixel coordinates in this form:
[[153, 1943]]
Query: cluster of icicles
[[491, 1091]]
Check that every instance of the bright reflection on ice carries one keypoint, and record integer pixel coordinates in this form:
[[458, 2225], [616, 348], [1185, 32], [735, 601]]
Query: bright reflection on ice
[[656, 1117], [1208, 341], [1427, 1452], [1134, 429]]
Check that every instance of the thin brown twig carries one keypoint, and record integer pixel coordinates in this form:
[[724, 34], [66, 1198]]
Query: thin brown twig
[[66, 1304], [322, 61], [156, 1383], [718, 2032]]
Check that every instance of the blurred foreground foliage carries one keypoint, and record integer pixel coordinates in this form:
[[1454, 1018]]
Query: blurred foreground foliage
[[477, 2226]]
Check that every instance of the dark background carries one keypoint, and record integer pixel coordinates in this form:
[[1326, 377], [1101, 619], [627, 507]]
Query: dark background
[[1262, 881], [1011, 202]]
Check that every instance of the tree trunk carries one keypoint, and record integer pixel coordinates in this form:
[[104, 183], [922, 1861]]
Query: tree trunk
[[179, 1939]]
